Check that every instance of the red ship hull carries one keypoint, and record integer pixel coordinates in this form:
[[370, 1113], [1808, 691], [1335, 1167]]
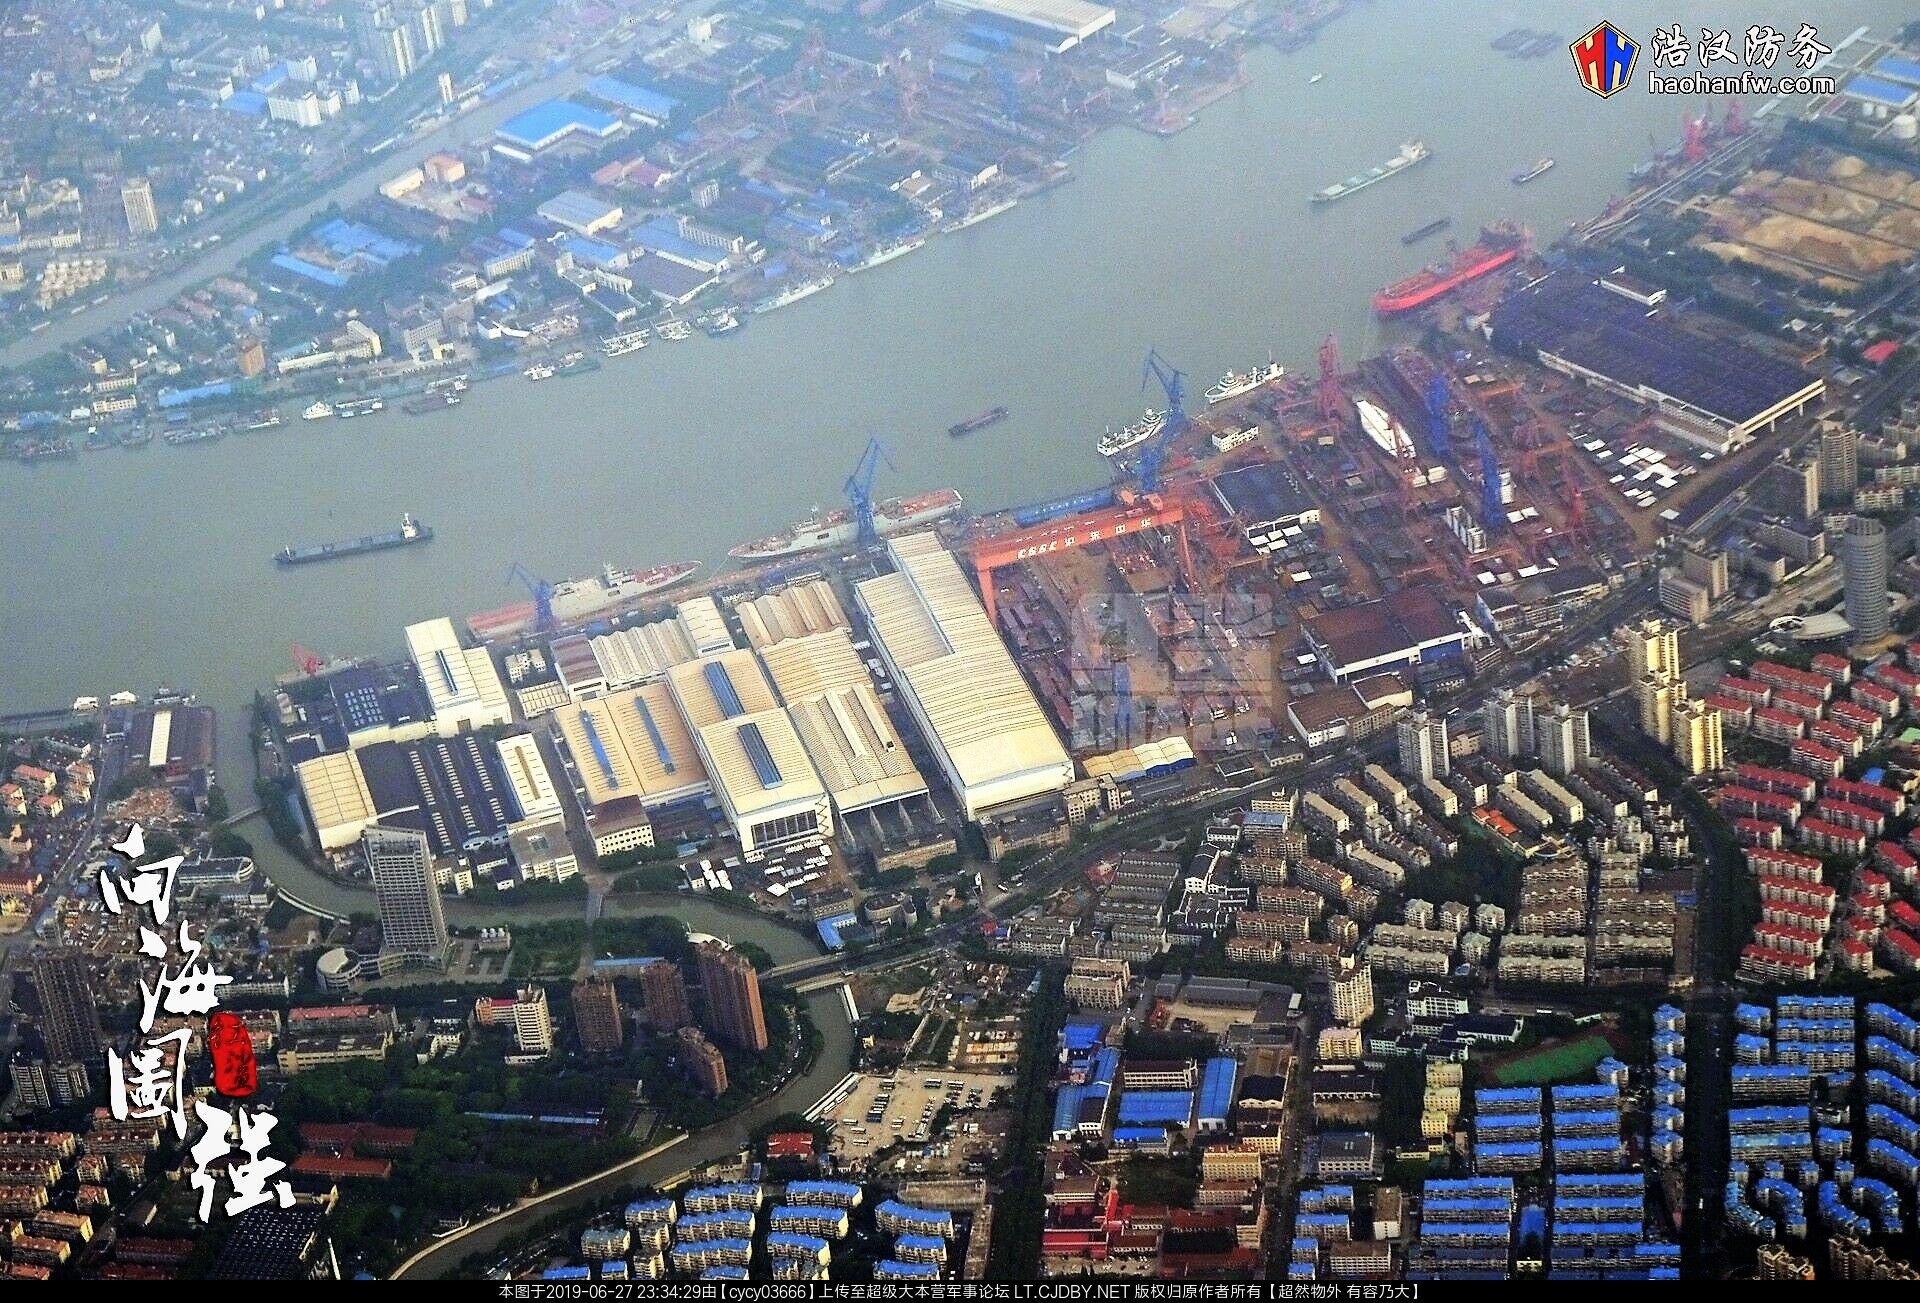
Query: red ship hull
[[1419, 290]]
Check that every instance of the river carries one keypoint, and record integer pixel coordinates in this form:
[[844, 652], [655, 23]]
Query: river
[[133, 568], [719, 1141]]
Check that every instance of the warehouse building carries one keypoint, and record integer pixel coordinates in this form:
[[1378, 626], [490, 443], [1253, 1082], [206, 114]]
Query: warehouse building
[[720, 686], [1415, 627], [628, 753], [534, 797], [764, 781], [986, 729], [463, 687], [339, 806], [798, 611], [1272, 509], [455, 790], [1053, 25], [547, 124], [831, 701], [1714, 393]]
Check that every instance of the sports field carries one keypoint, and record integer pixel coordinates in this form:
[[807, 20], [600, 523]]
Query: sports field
[[1552, 1063]]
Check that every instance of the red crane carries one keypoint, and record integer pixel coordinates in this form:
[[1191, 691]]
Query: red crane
[[308, 661], [1332, 399], [1693, 146]]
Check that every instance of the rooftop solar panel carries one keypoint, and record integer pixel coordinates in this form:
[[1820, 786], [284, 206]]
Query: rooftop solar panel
[[599, 749], [755, 745], [722, 687], [653, 734]]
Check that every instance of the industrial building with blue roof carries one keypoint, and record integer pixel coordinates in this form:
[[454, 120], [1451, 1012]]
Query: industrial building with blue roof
[[1216, 1093], [1143, 1107], [547, 124]]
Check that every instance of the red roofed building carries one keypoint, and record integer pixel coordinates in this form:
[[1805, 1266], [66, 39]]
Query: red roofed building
[[1776, 675], [1876, 697], [1905, 915], [1751, 691], [1804, 704], [1901, 681], [1897, 862], [1861, 818], [1769, 965], [1831, 838], [1884, 799], [1856, 716], [791, 1144], [1788, 940], [20, 882], [1753, 804], [1838, 736], [1817, 758], [1778, 725], [1807, 918], [1902, 950], [1789, 890], [1837, 668], [1758, 832], [1734, 713], [1786, 864], [1881, 700], [1783, 781], [1873, 884], [338, 1167], [1856, 956]]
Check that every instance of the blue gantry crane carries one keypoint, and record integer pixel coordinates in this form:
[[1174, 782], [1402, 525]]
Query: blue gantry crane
[[1009, 90], [1439, 423], [859, 490], [1493, 516], [541, 590], [1173, 382]]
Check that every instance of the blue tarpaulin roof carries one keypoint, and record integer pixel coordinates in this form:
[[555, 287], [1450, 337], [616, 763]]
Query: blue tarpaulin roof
[[1216, 1088], [1138, 1107], [829, 929]]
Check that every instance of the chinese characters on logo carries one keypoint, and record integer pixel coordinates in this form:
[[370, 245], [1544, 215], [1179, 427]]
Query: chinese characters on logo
[[151, 1081], [1604, 59]]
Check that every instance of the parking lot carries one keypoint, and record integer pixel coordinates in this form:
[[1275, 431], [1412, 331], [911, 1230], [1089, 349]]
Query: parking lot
[[883, 1110]]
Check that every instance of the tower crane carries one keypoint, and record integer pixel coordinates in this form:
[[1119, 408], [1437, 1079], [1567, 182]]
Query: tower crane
[[859, 490], [541, 590], [1173, 383], [1439, 426], [1493, 516]]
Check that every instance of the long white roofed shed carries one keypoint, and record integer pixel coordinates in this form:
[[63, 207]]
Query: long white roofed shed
[[987, 730], [831, 701]]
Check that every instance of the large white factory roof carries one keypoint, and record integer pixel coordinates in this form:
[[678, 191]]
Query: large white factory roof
[[642, 652], [831, 701], [337, 797], [632, 744], [463, 686], [1073, 18], [990, 734], [794, 612], [706, 628], [718, 687], [759, 766], [533, 793]]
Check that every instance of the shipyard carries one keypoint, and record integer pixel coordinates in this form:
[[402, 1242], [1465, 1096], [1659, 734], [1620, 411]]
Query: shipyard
[[1375, 739]]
